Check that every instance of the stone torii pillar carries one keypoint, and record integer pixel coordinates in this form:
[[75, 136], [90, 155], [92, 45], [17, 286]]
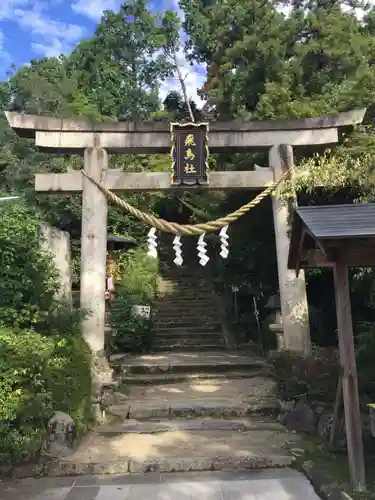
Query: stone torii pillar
[[293, 297], [94, 140], [94, 249]]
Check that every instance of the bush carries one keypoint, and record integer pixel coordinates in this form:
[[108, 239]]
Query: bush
[[39, 375], [310, 378], [138, 286], [69, 380], [45, 365], [27, 276]]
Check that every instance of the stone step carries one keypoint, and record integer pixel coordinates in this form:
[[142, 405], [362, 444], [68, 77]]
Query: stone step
[[171, 378], [184, 297], [182, 343], [219, 398], [171, 315], [187, 347], [162, 336], [181, 323], [184, 287], [187, 363], [185, 313], [190, 410], [208, 424], [182, 308], [193, 304], [186, 283], [190, 292], [190, 330], [178, 451]]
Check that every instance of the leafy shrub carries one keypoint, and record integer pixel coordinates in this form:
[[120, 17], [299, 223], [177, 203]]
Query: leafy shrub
[[39, 375], [310, 378], [44, 363], [137, 286], [69, 379], [27, 276]]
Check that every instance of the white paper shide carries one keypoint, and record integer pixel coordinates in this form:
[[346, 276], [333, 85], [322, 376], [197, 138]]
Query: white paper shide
[[152, 241], [202, 252], [224, 242], [177, 250]]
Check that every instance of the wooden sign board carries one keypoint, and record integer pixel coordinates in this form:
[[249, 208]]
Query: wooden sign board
[[189, 153]]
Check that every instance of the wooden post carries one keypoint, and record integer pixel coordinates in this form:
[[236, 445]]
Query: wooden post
[[349, 376], [94, 250], [293, 299]]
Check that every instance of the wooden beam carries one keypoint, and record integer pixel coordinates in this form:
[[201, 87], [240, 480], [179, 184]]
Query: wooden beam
[[353, 422], [312, 259], [119, 181]]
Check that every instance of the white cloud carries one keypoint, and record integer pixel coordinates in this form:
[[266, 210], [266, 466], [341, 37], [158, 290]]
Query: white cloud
[[43, 26], [7, 7], [53, 49], [49, 37], [93, 9]]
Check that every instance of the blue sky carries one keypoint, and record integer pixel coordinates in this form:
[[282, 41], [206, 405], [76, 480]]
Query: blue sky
[[31, 29]]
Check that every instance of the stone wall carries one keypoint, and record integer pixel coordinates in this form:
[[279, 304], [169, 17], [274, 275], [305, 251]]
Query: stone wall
[[57, 242], [317, 419]]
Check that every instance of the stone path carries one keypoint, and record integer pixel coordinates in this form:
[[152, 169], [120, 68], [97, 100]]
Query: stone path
[[283, 484], [155, 423]]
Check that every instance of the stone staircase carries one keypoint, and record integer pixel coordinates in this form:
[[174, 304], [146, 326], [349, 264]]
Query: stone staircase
[[192, 405], [185, 314], [187, 411]]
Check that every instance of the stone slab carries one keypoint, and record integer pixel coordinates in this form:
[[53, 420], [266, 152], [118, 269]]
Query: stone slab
[[26, 124], [165, 378], [212, 358], [152, 427], [213, 397], [178, 451], [281, 484], [119, 181], [161, 142], [217, 397]]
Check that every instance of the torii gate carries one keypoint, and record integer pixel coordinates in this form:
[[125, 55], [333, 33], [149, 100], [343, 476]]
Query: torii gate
[[96, 139]]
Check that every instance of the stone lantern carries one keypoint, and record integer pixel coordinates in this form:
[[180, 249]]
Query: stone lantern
[[276, 320]]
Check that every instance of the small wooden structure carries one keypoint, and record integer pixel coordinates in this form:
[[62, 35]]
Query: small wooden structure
[[114, 243], [339, 236]]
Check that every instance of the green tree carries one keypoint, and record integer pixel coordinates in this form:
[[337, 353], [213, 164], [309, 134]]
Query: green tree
[[121, 66], [262, 64]]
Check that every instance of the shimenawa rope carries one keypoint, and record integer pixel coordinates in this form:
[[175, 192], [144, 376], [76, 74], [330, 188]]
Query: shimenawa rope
[[188, 229]]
